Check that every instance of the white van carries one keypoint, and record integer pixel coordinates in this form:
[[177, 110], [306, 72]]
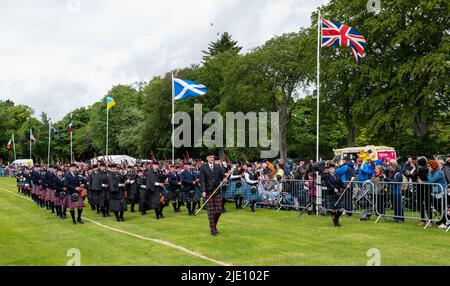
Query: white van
[[23, 162]]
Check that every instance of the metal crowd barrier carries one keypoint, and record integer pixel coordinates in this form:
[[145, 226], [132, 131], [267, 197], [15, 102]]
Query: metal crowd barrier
[[356, 198], [423, 201], [297, 194]]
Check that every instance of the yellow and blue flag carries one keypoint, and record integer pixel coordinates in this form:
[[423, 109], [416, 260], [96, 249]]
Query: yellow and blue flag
[[110, 102]]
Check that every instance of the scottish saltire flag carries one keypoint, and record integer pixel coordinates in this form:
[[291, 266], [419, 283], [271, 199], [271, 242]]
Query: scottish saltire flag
[[110, 102], [337, 34], [70, 124], [183, 89], [55, 132]]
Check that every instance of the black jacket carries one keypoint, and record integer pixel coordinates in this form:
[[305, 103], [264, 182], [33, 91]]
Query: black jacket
[[210, 179]]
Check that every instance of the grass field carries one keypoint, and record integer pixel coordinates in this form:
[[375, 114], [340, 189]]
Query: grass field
[[32, 236]]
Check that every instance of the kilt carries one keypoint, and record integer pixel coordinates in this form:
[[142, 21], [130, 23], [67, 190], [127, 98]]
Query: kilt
[[101, 198], [174, 195], [214, 205], [70, 204], [198, 194], [118, 205], [226, 192], [42, 193], [248, 193], [235, 191], [57, 201], [35, 189], [49, 195], [187, 197], [330, 200]]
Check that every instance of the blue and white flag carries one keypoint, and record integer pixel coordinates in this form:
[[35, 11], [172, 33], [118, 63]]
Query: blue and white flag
[[55, 132], [183, 89]]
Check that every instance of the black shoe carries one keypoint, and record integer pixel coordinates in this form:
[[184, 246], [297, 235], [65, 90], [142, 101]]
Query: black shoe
[[107, 214], [80, 221], [337, 224], [214, 233], [104, 215], [74, 222], [161, 216], [122, 219]]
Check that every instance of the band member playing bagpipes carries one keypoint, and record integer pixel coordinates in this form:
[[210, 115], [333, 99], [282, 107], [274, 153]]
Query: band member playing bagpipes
[[117, 197], [73, 199], [132, 188], [252, 180], [155, 180], [189, 180], [211, 176], [236, 187]]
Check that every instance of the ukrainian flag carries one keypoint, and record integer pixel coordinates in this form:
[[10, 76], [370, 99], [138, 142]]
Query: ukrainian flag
[[110, 102]]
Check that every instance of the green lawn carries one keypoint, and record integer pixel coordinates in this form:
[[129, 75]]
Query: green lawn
[[32, 236]]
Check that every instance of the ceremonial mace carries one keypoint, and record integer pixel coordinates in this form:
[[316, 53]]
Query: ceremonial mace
[[229, 174], [343, 193]]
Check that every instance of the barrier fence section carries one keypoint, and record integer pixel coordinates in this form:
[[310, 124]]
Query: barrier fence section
[[297, 194], [427, 202], [448, 207]]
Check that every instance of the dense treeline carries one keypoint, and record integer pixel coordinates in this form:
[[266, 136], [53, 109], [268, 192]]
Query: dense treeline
[[397, 96]]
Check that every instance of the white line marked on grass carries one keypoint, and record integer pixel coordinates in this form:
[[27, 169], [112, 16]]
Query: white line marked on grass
[[159, 241]]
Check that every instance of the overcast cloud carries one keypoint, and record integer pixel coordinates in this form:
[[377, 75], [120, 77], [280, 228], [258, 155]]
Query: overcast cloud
[[57, 55]]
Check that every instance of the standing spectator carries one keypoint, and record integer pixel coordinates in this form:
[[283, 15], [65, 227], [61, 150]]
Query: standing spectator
[[447, 169], [420, 174], [395, 187], [378, 180], [436, 175]]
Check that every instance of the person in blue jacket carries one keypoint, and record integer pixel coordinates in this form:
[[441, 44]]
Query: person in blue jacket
[[344, 175]]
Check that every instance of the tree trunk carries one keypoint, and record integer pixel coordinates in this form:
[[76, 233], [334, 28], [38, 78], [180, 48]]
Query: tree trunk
[[419, 126], [351, 136]]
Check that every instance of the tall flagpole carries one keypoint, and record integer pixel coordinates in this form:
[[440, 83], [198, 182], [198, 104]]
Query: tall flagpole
[[173, 119], [48, 151], [319, 21], [107, 126], [71, 149], [30, 142], [14, 148]]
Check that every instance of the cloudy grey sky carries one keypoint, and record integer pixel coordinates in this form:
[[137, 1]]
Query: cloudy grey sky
[[57, 55]]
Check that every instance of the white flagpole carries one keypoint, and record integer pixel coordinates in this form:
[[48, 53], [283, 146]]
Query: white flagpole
[[318, 179], [107, 126], [31, 133], [71, 148], [14, 148], [48, 151], [319, 22], [173, 119]]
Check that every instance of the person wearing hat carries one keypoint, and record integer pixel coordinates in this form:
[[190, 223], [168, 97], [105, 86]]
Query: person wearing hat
[[117, 201], [60, 193], [103, 195], [95, 187], [332, 187], [73, 199], [211, 177], [132, 187], [36, 183], [154, 190], [251, 190], [236, 186], [142, 191], [51, 178], [174, 189], [188, 189]]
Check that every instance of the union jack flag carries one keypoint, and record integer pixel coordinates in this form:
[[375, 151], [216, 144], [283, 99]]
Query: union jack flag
[[337, 34]]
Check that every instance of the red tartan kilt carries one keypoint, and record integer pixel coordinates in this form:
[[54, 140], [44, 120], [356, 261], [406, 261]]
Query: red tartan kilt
[[33, 189], [70, 204], [42, 193], [49, 195], [57, 201], [214, 205]]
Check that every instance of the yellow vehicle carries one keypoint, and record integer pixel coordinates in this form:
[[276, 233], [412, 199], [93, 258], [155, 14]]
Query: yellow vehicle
[[366, 153]]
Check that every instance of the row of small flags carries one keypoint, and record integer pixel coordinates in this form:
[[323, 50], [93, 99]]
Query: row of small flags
[[333, 34]]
